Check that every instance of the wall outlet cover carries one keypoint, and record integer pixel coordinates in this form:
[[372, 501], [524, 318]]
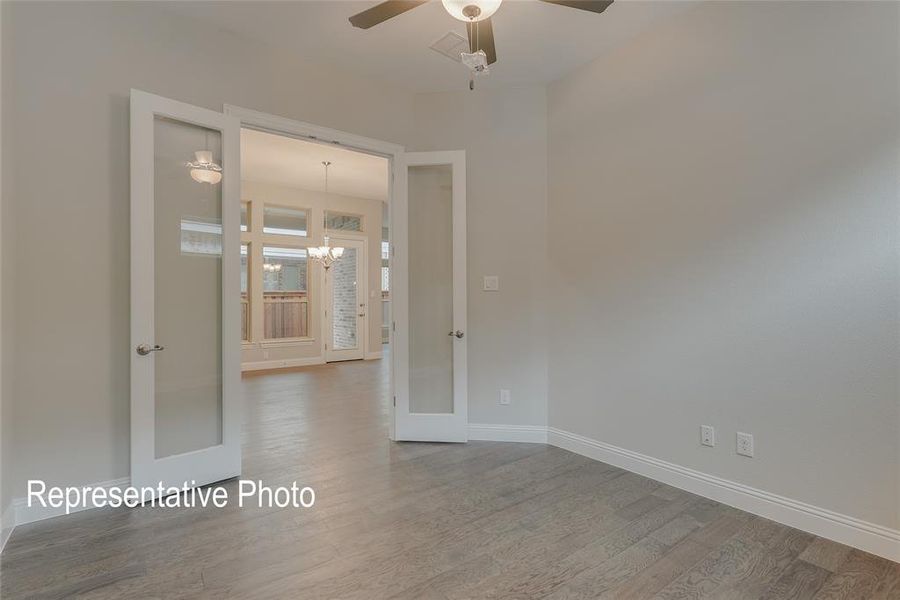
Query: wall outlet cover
[[707, 435], [491, 283], [505, 397], [744, 444]]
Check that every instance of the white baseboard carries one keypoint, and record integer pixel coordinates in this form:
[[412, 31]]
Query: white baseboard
[[7, 524], [870, 537], [373, 355], [536, 434], [29, 514], [262, 365]]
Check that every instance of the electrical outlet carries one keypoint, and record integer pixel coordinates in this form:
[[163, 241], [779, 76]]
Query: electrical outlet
[[745, 444], [505, 397], [707, 435], [491, 283]]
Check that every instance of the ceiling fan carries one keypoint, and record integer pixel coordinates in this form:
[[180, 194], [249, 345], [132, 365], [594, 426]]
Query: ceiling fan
[[477, 16]]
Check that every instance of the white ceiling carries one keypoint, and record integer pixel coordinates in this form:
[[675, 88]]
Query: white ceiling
[[536, 42], [290, 162]]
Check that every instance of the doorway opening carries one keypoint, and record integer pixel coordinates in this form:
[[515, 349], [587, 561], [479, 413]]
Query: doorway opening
[[299, 197]]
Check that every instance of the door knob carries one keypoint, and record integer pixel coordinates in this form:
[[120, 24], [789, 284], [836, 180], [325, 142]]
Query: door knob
[[145, 349], [457, 333]]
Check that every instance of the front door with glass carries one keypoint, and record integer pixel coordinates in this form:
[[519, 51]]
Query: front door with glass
[[346, 306]]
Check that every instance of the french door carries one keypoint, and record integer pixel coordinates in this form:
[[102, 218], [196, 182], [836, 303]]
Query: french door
[[185, 294], [429, 297], [346, 303]]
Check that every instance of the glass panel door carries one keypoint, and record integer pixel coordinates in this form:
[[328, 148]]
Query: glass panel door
[[429, 297], [346, 303], [185, 294]]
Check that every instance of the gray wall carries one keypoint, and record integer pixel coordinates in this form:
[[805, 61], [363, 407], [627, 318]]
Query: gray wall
[[723, 248], [504, 134]]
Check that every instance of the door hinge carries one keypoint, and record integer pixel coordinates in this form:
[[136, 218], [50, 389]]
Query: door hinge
[[394, 326], [393, 250], [395, 400], [326, 346]]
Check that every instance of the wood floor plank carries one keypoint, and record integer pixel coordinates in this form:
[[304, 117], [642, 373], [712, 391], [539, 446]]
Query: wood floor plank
[[420, 521], [800, 581]]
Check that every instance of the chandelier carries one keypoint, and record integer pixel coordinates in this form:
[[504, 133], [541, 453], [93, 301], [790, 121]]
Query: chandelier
[[325, 254]]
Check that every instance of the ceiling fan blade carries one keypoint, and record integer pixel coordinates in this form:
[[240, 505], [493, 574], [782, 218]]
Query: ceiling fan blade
[[597, 6], [481, 37], [382, 12]]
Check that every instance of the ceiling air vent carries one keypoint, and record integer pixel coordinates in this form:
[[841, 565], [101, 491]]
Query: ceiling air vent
[[451, 45]]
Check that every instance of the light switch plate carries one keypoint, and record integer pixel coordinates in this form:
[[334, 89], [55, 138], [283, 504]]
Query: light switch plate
[[505, 397], [491, 283]]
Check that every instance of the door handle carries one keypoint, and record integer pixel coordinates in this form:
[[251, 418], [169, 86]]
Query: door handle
[[459, 334], [361, 314], [145, 349]]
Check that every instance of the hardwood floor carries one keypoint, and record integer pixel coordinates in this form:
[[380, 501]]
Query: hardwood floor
[[427, 521]]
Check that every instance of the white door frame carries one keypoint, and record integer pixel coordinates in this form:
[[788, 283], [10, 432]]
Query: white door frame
[[362, 294], [452, 427], [393, 152], [217, 462]]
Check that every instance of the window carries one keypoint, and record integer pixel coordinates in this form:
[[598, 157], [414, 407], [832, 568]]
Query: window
[[245, 216], [245, 299], [285, 293], [336, 221], [201, 237], [285, 221]]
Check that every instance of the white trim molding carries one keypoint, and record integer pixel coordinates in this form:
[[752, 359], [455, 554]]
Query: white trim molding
[[263, 365], [29, 514], [373, 355], [534, 434], [877, 539], [7, 524]]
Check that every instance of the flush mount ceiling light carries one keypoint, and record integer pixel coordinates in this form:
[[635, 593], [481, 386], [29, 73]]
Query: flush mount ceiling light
[[325, 254], [471, 11], [203, 169]]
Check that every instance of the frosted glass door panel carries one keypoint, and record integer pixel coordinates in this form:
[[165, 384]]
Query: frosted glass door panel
[[430, 289], [188, 292], [345, 301]]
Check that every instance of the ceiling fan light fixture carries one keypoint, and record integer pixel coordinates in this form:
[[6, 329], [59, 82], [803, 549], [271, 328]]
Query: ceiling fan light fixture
[[471, 11]]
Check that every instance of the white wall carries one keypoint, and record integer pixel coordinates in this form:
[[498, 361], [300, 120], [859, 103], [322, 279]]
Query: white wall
[[67, 105], [723, 248], [504, 134]]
